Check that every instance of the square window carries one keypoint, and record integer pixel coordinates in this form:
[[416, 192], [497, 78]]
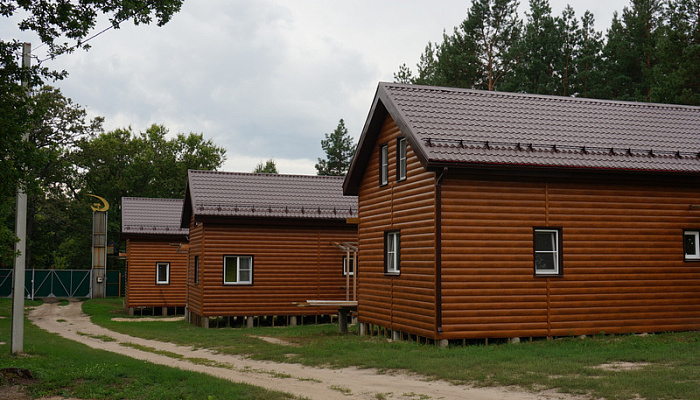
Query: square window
[[348, 262], [547, 245], [691, 245], [392, 252], [162, 273], [383, 165], [401, 159], [238, 270]]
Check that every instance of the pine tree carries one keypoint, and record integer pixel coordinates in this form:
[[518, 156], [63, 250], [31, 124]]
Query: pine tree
[[339, 148], [493, 26]]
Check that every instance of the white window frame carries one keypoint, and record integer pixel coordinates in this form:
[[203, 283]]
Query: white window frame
[[166, 265], [392, 253], [556, 252], [383, 165], [696, 235], [347, 260], [237, 260], [401, 168]]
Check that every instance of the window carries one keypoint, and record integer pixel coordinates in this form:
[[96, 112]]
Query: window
[[401, 159], [348, 262], [195, 272], [238, 270], [691, 245], [392, 255], [383, 165], [162, 273], [547, 251]]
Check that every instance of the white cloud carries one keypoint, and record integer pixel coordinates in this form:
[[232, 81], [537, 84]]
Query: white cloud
[[264, 79]]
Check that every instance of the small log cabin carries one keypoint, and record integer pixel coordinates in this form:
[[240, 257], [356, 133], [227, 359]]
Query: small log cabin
[[260, 243], [156, 254], [503, 215]]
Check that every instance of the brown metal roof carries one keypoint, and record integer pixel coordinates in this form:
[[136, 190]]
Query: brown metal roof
[[237, 194], [145, 216], [468, 128]]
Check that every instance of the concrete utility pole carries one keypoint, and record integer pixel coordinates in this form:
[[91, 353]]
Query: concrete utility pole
[[17, 341]]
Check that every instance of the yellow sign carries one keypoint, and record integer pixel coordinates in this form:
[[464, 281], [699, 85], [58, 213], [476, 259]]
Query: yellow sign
[[101, 206]]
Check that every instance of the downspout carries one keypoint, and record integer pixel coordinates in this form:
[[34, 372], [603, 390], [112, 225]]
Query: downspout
[[438, 251]]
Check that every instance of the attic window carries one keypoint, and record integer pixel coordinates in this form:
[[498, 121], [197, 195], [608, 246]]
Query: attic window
[[383, 165], [401, 159]]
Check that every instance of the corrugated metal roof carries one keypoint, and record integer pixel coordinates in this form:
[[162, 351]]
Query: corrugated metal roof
[[475, 128], [236, 194], [145, 216], [480, 127]]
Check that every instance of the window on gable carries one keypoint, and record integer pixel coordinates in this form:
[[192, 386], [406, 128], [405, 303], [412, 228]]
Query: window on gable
[[547, 243], [383, 165], [401, 159], [195, 272], [162, 273], [348, 265], [238, 270], [691, 245], [392, 253]]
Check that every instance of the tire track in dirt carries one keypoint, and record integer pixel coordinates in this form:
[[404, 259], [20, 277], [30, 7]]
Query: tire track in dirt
[[309, 382]]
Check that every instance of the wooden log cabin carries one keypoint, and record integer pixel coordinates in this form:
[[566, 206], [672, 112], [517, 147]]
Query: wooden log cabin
[[261, 243], [503, 215], [156, 255]]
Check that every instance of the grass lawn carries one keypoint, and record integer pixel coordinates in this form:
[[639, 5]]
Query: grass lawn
[[66, 368], [665, 366]]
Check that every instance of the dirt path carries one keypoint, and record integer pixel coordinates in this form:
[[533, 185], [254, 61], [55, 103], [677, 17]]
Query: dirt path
[[315, 383]]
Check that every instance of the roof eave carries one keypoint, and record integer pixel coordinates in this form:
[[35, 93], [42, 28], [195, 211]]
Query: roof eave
[[382, 106]]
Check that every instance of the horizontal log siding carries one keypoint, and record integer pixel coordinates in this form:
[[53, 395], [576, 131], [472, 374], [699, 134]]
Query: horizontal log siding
[[194, 291], [623, 267], [141, 288], [289, 265], [406, 302], [488, 288]]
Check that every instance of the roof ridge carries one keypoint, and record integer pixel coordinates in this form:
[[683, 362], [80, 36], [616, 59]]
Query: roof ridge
[[257, 174], [584, 100]]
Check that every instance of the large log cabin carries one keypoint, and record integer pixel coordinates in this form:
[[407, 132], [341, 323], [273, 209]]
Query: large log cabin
[[156, 255], [503, 215], [261, 244]]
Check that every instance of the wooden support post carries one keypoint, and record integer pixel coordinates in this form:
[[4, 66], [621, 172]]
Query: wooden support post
[[343, 321]]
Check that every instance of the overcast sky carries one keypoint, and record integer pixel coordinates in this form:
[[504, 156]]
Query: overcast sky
[[264, 79]]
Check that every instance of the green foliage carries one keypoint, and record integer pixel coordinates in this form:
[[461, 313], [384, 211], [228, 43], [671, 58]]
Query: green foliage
[[65, 368], [268, 167], [650, 52], [339, 148]]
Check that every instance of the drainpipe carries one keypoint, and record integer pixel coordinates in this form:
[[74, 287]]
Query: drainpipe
[[438, 250]]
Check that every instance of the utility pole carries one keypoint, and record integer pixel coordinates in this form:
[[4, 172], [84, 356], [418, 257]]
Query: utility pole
[[17, 342]]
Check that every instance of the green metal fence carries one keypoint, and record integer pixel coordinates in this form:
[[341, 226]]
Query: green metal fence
[[61, 283]]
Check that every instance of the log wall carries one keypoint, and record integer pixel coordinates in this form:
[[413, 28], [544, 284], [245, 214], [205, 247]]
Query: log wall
[[141, 287], [290, 264], [623, 264], [406, 302]]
